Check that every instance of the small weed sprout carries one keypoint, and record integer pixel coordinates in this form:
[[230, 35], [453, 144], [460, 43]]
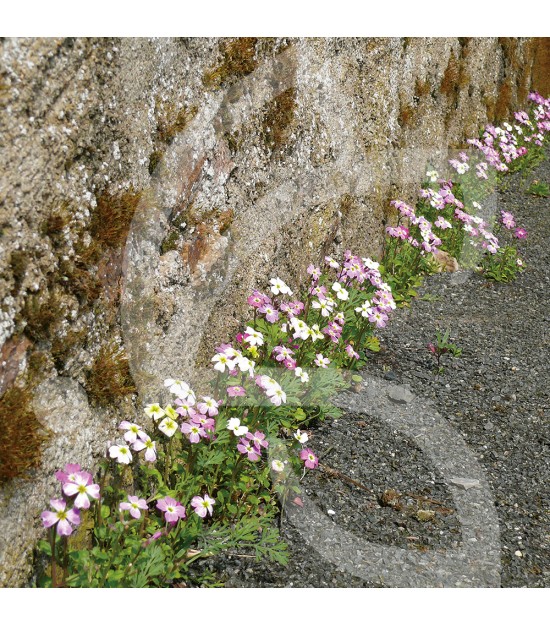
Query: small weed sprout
[[443, 346]]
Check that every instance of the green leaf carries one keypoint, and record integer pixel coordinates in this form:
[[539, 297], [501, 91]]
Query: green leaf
[[372, 343], [105, 512], [45, 547]]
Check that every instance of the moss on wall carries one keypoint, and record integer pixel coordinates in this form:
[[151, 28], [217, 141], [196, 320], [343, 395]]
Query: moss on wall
[[21, 434]]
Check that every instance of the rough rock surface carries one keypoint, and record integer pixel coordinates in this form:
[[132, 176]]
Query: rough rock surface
[[149, 184]]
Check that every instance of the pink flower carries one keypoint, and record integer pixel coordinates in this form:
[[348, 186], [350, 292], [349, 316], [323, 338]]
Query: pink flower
[[257, 299], [154, 537], [508, 220], [258, 438], [203, 505], [149, 445], [442, 223], [236, 391], [270, 313], [246, 447], [61, 516], [520, 233], [135, 505], [314, 272], [83, 488], [351, 352], [68, 474], [208, 406], [207, 422], [319, 291], [194, 431], [185, 407], [321, 361], [311, 460], [379, 318], [133, 431], [173, 510]]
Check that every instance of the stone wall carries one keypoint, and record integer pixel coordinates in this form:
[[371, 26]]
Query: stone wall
[[149, 184]]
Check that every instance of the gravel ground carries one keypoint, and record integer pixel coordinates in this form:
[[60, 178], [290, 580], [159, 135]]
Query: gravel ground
[[378, 483]]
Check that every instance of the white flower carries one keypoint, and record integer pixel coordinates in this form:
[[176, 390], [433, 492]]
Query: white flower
[[301, 437], [235, 426], [300, 328], [178, 387], [154, 410], [320, 361], [133, 431], [245, 364], [300, 373], [121, 453], [278, 286], [365, 309], [278, 465], [168, 426], [232, 353], [222, 361], [269, 383], [276, 396], [331, 262], [432, 175], [253, 337], [315, 333], [149, 445], [371, 264], [326, 306], [340, 291]]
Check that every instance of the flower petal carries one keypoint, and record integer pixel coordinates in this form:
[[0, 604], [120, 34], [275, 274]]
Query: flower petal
[[49, 518], [64, 528]]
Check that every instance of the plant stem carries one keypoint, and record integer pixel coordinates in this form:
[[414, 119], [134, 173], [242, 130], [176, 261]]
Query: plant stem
[[52, 544]]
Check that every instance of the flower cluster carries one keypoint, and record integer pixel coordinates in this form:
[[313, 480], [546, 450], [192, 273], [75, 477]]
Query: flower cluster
[[78, 486], [441, 219], [209, 452]]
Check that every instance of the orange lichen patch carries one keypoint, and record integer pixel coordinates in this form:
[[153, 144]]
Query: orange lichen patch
[[406, 115], [450, 77], [238, 60], [541, 66], [224, 220], [172, 120], [11, 355], [504, 101], [422, 88], [347, 203], [277, 119], [112, 217], [55, 223], [510, 48], [21, 434], [204, 250], [110, 378]]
